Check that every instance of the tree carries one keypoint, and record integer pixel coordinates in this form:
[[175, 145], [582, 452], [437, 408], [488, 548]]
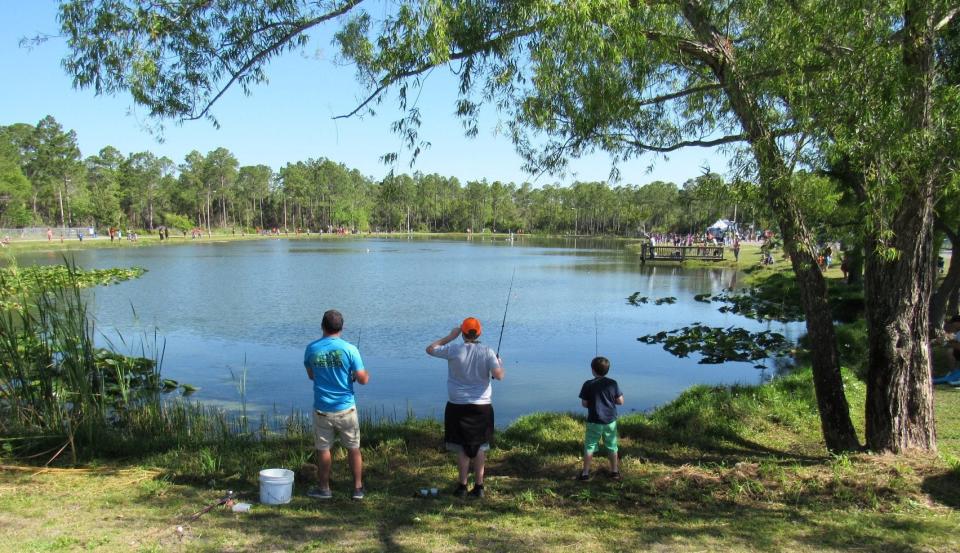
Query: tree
[[14, 187], [189, 196], [397, 196], [253, 183], [142, 177], [103, 178], [51, 161]]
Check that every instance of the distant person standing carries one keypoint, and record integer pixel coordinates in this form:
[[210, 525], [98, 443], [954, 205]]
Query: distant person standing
[[49, 234], [600, 395], [333, 365], [468, 417]]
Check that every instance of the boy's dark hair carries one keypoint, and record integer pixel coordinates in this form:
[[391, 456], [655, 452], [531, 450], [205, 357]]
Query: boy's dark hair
[[955, 319], [600, 366], [332, 322]]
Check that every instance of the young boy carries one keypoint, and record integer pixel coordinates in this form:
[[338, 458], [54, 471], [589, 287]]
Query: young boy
[[600, 396]]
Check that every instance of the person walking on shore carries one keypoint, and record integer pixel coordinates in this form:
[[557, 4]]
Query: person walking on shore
[[468, 417], [333, 365]]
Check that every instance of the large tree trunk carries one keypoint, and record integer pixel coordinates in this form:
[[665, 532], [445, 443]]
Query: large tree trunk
[[898, 287], [899, 390], [838, 431]]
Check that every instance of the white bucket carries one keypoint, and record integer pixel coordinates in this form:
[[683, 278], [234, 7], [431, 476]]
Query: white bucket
[[276, 486]]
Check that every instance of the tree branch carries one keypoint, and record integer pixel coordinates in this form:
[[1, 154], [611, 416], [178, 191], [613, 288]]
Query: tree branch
[[391, 79], [729, 139], [280, 43]]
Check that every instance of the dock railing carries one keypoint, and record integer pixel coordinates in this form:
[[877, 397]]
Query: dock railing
[[707, 252]]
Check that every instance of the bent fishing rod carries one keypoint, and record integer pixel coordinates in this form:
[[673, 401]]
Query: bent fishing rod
[[504, 323]]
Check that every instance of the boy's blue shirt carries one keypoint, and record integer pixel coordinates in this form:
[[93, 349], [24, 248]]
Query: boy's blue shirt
[[333, 362], [601, 395]]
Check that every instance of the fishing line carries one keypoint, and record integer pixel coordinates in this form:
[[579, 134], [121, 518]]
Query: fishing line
[[504, 323]]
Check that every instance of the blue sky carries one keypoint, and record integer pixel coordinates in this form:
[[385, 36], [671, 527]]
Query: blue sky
[[287, 120]]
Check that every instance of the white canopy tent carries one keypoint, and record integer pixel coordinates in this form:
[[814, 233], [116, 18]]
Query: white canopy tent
[[721, 224]]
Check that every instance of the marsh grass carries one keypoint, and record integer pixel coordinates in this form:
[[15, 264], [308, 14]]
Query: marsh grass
[[53, 380]]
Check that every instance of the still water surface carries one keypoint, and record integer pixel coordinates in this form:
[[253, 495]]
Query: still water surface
[[229, 309]]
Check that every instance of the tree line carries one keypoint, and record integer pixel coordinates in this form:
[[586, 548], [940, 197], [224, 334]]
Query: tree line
[[46, 181]]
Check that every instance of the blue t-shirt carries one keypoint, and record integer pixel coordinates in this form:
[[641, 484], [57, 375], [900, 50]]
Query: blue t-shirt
[[333, 362], [601, 394]]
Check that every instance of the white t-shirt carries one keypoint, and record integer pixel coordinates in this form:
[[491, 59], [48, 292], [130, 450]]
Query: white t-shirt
[[469, 367]]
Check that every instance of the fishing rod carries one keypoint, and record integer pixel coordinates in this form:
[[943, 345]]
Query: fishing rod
[[353, 375], [222, 501], [596, 336], [504, 323]]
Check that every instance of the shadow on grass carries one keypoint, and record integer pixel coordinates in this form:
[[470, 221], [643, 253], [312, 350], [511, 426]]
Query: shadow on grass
[[944, 488], [531, 517]]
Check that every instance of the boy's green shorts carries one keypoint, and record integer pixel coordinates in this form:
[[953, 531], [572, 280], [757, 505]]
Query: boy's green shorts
[[595, 432]]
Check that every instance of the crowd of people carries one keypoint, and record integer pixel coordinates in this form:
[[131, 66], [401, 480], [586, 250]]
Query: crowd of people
[[334, 365]]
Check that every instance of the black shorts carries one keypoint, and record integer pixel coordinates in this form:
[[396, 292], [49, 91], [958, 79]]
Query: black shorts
[[469, 426]]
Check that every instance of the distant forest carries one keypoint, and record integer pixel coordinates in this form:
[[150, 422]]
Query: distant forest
[[45, 181]]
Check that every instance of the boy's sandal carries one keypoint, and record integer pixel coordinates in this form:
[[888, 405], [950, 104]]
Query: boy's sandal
[[615, 476], [583, 476]]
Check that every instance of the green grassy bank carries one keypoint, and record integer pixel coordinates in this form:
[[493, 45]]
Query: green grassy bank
[[718, 469]]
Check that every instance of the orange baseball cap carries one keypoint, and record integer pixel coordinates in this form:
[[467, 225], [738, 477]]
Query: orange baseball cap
[[470, 327]]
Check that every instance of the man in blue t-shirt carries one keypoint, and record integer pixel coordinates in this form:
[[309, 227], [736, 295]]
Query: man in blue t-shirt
[[333, 365], [600, 395]]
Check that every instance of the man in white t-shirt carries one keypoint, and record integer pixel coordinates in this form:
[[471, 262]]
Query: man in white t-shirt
[[468, 417]]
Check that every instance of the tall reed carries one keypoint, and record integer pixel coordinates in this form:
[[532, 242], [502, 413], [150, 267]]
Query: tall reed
[[54, 381]]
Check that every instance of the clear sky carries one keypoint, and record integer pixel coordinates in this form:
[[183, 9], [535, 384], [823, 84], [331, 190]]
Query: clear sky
[[287, 120]]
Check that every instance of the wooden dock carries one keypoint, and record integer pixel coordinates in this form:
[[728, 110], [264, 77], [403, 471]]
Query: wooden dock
[[706, 252]]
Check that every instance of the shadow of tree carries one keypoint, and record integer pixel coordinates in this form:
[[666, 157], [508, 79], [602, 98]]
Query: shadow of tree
[[944, 488]]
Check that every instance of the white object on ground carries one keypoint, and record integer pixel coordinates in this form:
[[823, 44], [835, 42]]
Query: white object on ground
[[276, 486]]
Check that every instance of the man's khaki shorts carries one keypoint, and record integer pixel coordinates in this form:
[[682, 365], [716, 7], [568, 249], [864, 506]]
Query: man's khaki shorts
[[326, 426]]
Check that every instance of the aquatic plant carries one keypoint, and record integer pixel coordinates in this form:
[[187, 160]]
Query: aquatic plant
[[718, 345], [20, 283], [637, 300]]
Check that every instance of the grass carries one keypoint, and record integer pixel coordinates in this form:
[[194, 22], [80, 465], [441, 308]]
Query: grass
[[733, 469]]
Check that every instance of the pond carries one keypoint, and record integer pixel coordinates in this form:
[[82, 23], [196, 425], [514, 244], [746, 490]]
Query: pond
[[233, 318]]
